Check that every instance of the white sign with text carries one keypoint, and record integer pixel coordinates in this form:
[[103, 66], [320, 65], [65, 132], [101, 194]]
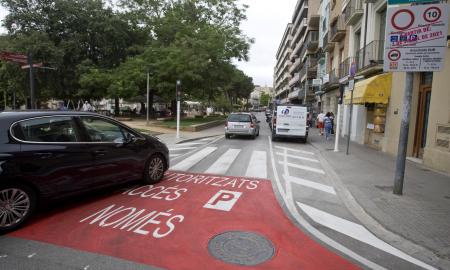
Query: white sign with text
[[416, 38]]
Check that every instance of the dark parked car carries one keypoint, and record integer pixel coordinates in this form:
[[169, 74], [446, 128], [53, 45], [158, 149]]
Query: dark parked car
[[48, 155]]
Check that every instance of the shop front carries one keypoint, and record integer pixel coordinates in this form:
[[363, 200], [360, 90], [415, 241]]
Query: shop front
[[371, 96]]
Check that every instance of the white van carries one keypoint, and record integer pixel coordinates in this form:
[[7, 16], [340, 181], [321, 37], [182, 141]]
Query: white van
[[290, 121]]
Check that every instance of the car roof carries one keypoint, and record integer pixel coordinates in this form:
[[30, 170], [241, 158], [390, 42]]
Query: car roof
[[8, 117]]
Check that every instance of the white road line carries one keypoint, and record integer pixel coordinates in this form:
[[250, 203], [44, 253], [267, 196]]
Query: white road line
[[187, 163], [188, 143], [357, 232], [294, 150], [31, 255], [222, 165], [258, 165], [310, 184], [207, 139], [303, 167], [288, 201], [181, 148], [297, 157]]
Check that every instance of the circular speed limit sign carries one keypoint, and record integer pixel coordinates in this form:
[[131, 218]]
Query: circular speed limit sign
[[432, 14], [402, 19]]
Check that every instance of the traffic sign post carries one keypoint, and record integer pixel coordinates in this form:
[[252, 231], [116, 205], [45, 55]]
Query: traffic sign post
[[178, 96], [416, 41]]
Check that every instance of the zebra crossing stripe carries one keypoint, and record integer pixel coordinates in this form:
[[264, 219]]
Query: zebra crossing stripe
[[310, 184], [302, 167], [294, 150], [258, 165], [297, 157], [222, 165], [181, 148], [189, 162]]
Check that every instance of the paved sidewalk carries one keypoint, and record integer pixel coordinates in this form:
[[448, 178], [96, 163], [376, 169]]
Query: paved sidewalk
[[421, 215], [168, 135]]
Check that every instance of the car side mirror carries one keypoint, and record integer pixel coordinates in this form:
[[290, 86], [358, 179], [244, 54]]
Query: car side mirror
[[129, 139]]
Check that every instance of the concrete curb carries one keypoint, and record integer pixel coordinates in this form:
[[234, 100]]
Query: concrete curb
[[376, 227]]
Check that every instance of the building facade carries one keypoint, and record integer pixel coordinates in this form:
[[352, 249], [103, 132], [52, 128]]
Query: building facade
[[350, 41]]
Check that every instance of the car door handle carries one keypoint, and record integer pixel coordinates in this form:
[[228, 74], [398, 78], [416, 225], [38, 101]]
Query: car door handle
[[43, 155], [100, 152]]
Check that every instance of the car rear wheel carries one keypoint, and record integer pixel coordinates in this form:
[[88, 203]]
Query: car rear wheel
[[154, 169], [17, 203], [227, 136]]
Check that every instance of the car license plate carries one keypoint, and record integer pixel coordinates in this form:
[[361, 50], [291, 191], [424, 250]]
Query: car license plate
[[238, 126], [283, 130]]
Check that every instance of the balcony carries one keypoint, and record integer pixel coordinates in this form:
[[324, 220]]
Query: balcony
[[337, 29], [326, 44], [314, 22], [294, 79], [295, 65], [333, 79], [353, 12], [344, 67], [311, 66], [371, 55], [294, 94], [312, 40]]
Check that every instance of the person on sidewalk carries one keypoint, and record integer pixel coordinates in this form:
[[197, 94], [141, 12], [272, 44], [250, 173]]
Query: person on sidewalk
[[320, 118], [328, 125]]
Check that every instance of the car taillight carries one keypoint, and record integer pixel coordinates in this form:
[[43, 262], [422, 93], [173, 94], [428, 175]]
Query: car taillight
[[226, 123], [274, 121], [252, 125]]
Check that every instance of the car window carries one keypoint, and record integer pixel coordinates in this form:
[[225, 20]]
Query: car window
[[239, 118], [100, 130], [47, 129]]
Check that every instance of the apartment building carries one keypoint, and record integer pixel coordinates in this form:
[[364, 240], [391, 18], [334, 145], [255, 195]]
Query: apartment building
[[299, 44], [281, 75]]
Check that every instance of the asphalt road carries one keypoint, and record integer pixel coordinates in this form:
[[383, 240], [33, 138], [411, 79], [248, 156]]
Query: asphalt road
[[311, 230]]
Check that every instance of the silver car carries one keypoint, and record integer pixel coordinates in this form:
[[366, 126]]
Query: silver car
[[242, 124]]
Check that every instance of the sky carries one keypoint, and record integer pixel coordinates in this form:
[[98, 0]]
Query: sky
[[266, 22]]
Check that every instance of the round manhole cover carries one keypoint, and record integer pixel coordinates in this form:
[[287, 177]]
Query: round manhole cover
[[242, 248]]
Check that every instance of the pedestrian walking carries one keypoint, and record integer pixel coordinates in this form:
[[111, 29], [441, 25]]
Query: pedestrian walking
[[320, 118], [86, 107], [328, 125], [332, 122]]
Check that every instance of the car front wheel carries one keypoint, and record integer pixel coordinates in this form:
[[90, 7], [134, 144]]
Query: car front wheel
[[17, 203], [154, 169]]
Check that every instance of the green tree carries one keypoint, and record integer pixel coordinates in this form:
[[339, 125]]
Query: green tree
[[264, 99]]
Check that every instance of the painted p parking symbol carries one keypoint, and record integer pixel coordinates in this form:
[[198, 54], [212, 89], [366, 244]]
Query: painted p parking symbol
[[223, 200]]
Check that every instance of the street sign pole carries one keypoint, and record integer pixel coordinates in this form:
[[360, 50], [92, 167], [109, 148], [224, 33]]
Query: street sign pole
[[178, 107], [403, 139], [148, 96], [350, 123], [32, 90], [338, 119]]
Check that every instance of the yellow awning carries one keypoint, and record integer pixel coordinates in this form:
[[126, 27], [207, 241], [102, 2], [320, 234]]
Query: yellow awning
[[376, 89]]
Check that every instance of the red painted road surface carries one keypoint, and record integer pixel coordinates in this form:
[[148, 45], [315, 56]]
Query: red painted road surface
[[169, 225]]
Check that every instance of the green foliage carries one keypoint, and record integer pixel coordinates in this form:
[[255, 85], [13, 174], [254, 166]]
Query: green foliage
[[264, 99], [103, 52]]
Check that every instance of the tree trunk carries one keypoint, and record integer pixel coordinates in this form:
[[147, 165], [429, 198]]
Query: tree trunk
[[116, 106], [143, 110], [151, 96]]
